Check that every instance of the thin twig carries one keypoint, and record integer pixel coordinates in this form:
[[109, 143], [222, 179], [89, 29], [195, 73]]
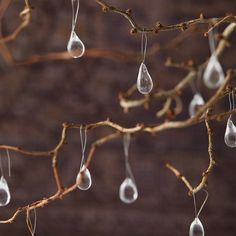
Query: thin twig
[[158, 26], [203, 182]]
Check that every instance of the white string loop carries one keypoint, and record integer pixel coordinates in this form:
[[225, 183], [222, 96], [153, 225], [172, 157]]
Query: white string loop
[[212, 42], [31, 227], [126, 143], [143, 46], [9, 164], [203, 204], [83, 139]]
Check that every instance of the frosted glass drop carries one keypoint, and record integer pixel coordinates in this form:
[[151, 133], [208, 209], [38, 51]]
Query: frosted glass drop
[[196, 228], [230, 133], [195, 104], [5, 195], [75, 46], [213, 76], [86, 181], [144, 81], [128, 191]]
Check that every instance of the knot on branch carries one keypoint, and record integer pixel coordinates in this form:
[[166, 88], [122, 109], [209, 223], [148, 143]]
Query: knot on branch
[[105, 9], [133, 31], [184, 26], [157, 27], [26, 12]]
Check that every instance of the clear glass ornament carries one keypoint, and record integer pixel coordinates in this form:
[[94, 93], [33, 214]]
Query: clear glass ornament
[[230, 133], [75, 46], [213, 76], [144, 80], [84, 179], [195, 104], [196, 228], [5, 195], [128, 190]]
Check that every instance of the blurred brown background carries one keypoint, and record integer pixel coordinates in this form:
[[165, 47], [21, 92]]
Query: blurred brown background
[[37, 99]]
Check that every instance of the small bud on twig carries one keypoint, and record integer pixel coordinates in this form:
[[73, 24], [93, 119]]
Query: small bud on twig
[[128, 12], [105, 9], [133, 31]]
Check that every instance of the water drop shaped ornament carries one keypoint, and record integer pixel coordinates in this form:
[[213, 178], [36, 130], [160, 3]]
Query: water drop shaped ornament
[[128, 191], [144, 80], [5, 195], [196, 228], [84, 179], [75, 46], [213, 76], [195, 104], [230, 132]]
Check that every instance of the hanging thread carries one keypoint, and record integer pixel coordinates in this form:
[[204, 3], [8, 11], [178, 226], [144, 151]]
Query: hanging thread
[[74, 13], [143, 46], [31, 227], [203, 204], [83, 139], [9, 164]]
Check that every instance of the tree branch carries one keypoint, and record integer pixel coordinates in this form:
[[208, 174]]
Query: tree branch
[[203, 182], [161, 27], [127, 103]]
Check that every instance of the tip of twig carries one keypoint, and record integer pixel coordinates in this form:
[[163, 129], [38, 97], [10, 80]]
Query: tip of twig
[[168, 61], [126, 110], [128, 12], [65, 124]]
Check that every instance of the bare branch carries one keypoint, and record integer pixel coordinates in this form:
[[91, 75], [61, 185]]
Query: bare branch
[[206, 173], [161, 27]]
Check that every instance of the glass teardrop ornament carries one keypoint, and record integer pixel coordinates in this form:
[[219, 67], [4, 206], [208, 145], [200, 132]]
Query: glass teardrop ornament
[[213, 76], [86, 180], [196, 228], [230, 133], [144, 80], [128, 191], [195, 104], [75, 46], [5, 195]]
